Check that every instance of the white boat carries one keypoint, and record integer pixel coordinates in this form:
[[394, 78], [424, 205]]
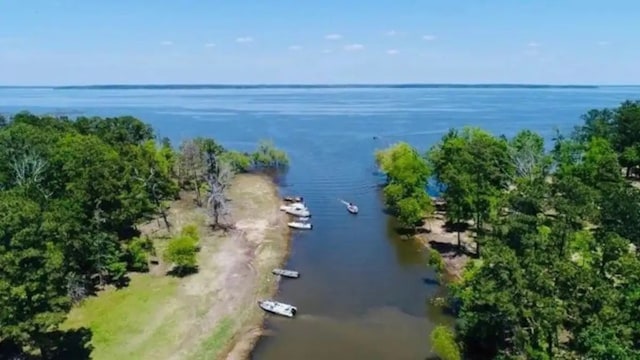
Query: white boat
[[278, 308], [352, 208], [296, 209], [303, 219], [287, 273], [300, 225]]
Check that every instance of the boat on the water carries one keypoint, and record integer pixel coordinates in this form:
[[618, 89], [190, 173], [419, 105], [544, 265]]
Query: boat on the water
[[300, 225], [278, 308], [303, 218], [293, 199], [352, 208], [287, 273], [296, 209]]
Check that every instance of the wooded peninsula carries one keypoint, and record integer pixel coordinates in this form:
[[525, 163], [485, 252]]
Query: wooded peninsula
[[550, 233], [115, 244]]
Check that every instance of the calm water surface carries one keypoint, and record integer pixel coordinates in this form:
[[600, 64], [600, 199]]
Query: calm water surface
[[363, 292]]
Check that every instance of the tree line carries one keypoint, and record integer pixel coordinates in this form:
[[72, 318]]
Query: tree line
[[556, 274], [71, 194]]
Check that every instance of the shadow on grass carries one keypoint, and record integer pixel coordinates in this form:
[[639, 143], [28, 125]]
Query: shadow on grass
[[73, 344], [402, 231], [182, 271], [448, 248], [460, 227]]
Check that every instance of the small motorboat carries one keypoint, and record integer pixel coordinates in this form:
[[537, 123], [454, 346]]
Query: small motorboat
[[296, 209], [278, 308], [293, 199], [300, 225], [286, 273], [352, 208], [303, 219]]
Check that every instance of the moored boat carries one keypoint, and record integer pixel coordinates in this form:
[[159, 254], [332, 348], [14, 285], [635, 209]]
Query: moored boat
[[296, 209], [294, 199], [288, 273], [278, 308], [300, 225]]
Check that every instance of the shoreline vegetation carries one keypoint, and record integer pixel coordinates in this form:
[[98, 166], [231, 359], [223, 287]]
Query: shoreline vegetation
[[116, 244], [539, 248]]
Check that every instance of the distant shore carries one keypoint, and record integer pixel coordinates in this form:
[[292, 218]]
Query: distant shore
[[320, 86], [212, 314]]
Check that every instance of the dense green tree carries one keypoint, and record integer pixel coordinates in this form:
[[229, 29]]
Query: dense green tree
[[475, 169], [267, 156], [407, 175], [558, 277], [33, 294]]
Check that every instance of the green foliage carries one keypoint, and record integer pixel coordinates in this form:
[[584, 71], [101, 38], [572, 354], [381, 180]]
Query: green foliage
[[475, 168], [77, 188], [443, 344], [407, 174], [191, 230], [138, 251], [435, 261], [181, 251], [32, 280], [241, 162], [557, 277], [267, 156]]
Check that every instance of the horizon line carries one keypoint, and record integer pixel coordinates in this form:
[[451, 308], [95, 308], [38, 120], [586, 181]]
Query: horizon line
[[311, 85]]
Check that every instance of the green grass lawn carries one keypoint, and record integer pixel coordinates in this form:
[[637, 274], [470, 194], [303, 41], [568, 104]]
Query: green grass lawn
[[123, 322]]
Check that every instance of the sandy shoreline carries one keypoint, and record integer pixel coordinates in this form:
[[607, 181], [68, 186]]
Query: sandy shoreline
[[212, 314], [436, 236]]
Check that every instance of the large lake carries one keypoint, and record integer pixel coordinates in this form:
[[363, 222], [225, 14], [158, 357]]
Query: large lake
[[363, 293]]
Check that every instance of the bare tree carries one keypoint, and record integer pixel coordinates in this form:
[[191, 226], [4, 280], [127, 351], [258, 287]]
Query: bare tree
[[29, 170], [151, 184], [76, 288], [527, 159], [192, 166], [218, 179]]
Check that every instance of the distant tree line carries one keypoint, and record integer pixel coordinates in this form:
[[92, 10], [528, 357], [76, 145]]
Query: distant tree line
[[71, 194], [557, 273]]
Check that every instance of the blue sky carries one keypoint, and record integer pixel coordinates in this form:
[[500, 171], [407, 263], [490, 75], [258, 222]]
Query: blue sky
[[61, 42]]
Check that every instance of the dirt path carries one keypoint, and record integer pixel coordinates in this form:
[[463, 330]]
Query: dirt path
[[214, 314]]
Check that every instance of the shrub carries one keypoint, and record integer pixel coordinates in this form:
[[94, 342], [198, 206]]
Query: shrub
[[138, 254], [181, 251], [443, 344], [191, 231]]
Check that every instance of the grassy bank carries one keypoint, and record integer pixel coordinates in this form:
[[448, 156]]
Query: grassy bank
[[208, 315]]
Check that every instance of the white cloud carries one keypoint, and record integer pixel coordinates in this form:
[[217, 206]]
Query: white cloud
[[533, 44], [209, 45], [354, 47], [391, 33], [603, 43], [244, 39], [295, 47], [166, 43], [392, 51], [333, 37], [428, 37]]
